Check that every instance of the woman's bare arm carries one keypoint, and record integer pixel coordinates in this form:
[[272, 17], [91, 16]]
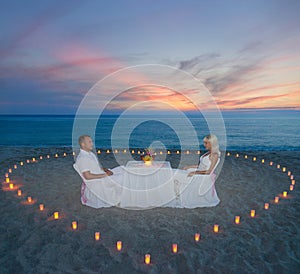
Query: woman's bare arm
[[214, 160], [88, 175]]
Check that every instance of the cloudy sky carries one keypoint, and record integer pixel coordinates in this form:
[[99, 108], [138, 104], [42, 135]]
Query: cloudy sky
[[52, 52]]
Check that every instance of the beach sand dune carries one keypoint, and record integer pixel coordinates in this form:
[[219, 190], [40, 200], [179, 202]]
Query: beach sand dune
[[32, 242]]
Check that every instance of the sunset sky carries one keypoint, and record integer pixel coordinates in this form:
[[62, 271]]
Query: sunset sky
[[52, 52]]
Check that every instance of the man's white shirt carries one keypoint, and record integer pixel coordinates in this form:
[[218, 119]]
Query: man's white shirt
[[88, 161]]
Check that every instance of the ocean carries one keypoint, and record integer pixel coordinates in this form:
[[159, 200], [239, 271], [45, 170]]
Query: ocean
[[264, 130]]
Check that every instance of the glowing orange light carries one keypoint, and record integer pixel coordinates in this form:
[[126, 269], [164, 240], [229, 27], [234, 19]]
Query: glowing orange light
[[198, 152], [177, 152], [74, 225], [65, 154], [15, 166], [132, 151], [228, 154], [119, 245], [56, 155], [147, 259], [6, 175], [293, 182], [271, 163], [19, 192], [246, 157], [254, 158], [292, 177], [21, 163], [7, 180], [174, 248], [216, 228], [29, 199], [284, 194], [97, 236], [237, 219], [276, 200], [56, 215], [27, 161], [278, 166], [267, 206], [9, 170], [252, 213], [11, 186], [291, 187], [283, 169], [41, 207], [168, 152], [33, 159], [139, 152], [41, 157], [237, 155], [197, 237], [289, 173], [107, 151]]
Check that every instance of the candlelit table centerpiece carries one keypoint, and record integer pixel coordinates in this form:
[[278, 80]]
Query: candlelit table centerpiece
[[148, 156]]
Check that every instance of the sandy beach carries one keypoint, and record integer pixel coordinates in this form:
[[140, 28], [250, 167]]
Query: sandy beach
[[32, 242]]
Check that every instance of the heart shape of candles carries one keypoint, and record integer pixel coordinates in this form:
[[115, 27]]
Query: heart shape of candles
[[11, 186]]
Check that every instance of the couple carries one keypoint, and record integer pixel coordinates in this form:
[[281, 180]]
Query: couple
[[103, 187]]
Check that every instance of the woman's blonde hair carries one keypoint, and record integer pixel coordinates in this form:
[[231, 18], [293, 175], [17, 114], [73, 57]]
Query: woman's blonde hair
[[214, 143]]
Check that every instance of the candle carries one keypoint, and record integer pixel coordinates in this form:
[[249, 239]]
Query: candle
[[267, 206], [41, 207], [124, 150], [75, 153], [271, 163], [74, 225], [15, 166], [292, 177], [107, 151], [291, 187], [132, 151], [262, 161], [254, 158], [116, 151], [148, 163], [29, 199], [147, 259], [11, 186], [246, 156], [119, 245], [278, 166], [56, 216], [188, 152], [7, 180], [289, 173], [276, 199], [27, 161], [197, 237], [41, 157], [97, 236], [21, 163], [228, 154], [216, 228], [65, 154], [48, 156], [174, 248], [56, 155], [33, 159], [6, 175], [283, 169], [237, 219], [160, 153], [177, 151], [139, 152], [9, 170], [169, 152], [252, 213], [19, 192], [293, 182], [237, 155], [284, 194], [198, 152]]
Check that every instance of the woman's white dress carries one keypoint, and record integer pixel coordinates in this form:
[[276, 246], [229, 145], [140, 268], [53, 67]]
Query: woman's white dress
[[197, 190]]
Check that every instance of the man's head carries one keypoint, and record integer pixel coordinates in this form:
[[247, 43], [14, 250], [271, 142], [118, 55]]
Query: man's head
[[85, 142]]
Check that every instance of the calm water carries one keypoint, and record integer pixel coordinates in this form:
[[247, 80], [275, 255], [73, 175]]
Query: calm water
[[245, 130]]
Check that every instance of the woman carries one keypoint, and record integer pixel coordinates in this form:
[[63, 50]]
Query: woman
[[195, 184]]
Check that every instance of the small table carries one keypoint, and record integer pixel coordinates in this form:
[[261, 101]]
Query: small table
[[147, 186]]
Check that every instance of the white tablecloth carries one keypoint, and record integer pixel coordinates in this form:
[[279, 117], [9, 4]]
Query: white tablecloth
[[147, 186]]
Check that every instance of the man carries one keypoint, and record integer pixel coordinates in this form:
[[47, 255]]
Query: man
[[87, 161], [101, 186]]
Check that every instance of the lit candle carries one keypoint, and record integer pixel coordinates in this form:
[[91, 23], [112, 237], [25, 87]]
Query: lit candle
[[148, 163], [132, 151], [246, 156], [116, 151], [27, 161], [29, 199], [10, 170], [293, 182], [147, 259], [283, 169], [97, 236], [254, 158], [7, 180], [228, 154], [139, 152], [41, 207], [198, 152], [284, 194], [41, 157], [188, 152], [252, 213], [262, 161], [48, 156], [15, 166], [33, 159], [278, 166], [169, 152], [177, 151], [19, 192], [124, 150], [56, 155], [237, 155], [65, 154], [119, 245], [237, 219], [6, 175], [11, 186], [174, 248], [107, 151], [197, 237], [291, 187], [75, 153], [160, 153], [56, 216], [289, 173], [216, 228], [292, 177], [267, 206], [21, 163], [74, 225], [276, 199]]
